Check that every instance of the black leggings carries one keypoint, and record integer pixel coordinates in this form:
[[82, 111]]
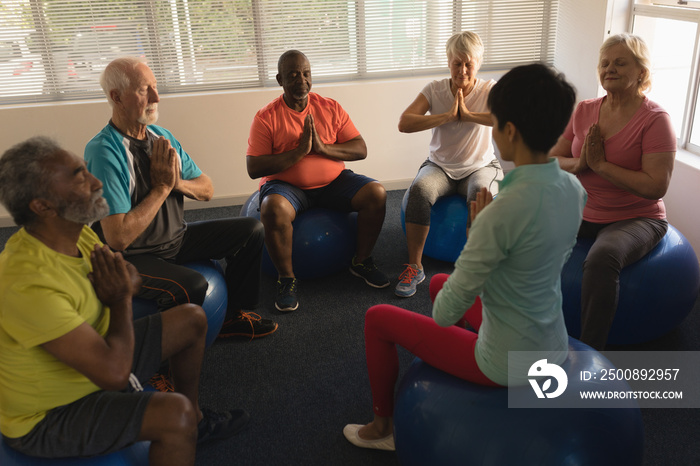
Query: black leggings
[[238, 240], [616, 246]]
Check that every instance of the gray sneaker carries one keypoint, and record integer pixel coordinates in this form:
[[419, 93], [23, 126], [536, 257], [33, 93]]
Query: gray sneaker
[[408, 281], [286, 294]]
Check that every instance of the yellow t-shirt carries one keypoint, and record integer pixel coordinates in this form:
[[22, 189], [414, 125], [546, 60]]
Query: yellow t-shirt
[[43, 295]]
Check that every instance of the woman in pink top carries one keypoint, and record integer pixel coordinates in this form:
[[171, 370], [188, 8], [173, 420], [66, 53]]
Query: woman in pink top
[[621, 147]]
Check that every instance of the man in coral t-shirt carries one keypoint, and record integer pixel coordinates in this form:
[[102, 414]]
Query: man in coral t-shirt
[[298, 145]]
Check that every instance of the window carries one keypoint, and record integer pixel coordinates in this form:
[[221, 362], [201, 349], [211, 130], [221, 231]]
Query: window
[[672, 33], [226, 44]]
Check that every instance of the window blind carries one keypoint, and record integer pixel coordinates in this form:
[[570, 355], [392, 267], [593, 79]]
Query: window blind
[[54, 50]]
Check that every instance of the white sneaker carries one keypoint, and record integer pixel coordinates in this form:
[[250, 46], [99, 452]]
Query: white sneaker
[[386, 443]]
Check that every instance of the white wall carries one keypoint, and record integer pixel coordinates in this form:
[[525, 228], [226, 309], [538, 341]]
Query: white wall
[[682, 198], [213, 127], [580, 31]]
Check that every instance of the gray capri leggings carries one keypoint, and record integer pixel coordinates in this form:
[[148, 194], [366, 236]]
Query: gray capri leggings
[[616, 246], [432, 183]]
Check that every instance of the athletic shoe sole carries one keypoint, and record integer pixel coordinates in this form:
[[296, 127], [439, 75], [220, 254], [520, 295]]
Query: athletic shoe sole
[[287, 309], [408, 295], [248, 335], [369, 282]]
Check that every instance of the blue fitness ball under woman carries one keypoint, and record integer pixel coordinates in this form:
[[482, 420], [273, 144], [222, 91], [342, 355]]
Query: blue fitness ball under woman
[[461, 159], [517, 247]]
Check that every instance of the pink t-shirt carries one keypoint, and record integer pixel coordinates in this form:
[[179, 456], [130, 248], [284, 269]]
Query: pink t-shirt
[[648, 132], [277, 128]]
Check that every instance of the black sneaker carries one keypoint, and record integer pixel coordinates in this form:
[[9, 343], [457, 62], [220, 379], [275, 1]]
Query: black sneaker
[[216, 426], [248, 325], [369, 272], [286, 294]]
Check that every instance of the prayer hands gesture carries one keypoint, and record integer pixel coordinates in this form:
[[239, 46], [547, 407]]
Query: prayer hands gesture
[[483, 198], [165, 170], [310, 140], [457, 103], [113, 278], [459, 110], [593, 151]]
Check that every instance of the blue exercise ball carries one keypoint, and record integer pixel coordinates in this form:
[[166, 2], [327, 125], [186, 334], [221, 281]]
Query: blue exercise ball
[[448, 227], [134, 455], [323, 242], [656, 293], [215, 300], [440, 419]]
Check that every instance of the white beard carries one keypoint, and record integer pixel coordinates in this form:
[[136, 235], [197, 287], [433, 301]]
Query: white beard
[[149, 118], [78, 213]]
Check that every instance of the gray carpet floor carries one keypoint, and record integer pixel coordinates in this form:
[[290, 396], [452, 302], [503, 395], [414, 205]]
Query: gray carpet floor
[[302, 384]]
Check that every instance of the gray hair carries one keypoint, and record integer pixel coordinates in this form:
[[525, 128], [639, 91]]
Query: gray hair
[[465, 43], [117, 75], [24, 176]]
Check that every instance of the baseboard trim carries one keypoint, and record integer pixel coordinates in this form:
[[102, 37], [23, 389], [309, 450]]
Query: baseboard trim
[[226, 201]]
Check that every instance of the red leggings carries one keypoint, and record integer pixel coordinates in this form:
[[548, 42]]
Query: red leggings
[[450, 349]]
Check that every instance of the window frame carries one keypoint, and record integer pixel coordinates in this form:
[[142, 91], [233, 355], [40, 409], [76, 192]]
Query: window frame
[[689, 13], [53, 88]]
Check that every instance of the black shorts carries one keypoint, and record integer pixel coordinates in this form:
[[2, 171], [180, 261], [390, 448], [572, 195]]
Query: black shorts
[[104, 421]]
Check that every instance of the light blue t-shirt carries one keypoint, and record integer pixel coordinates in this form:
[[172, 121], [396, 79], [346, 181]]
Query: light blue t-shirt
[[123, 165], [516, 249]]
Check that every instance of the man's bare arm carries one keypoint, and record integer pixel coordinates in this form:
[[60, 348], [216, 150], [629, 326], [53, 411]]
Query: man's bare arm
[[105, 361], [271, 164], [199, 189]]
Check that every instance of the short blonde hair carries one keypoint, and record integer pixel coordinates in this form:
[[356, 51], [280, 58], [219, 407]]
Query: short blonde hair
[[640, 52], [465, 43], [117, 75]]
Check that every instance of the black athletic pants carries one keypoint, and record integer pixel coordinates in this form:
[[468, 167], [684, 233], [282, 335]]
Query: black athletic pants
[[239, 240]]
